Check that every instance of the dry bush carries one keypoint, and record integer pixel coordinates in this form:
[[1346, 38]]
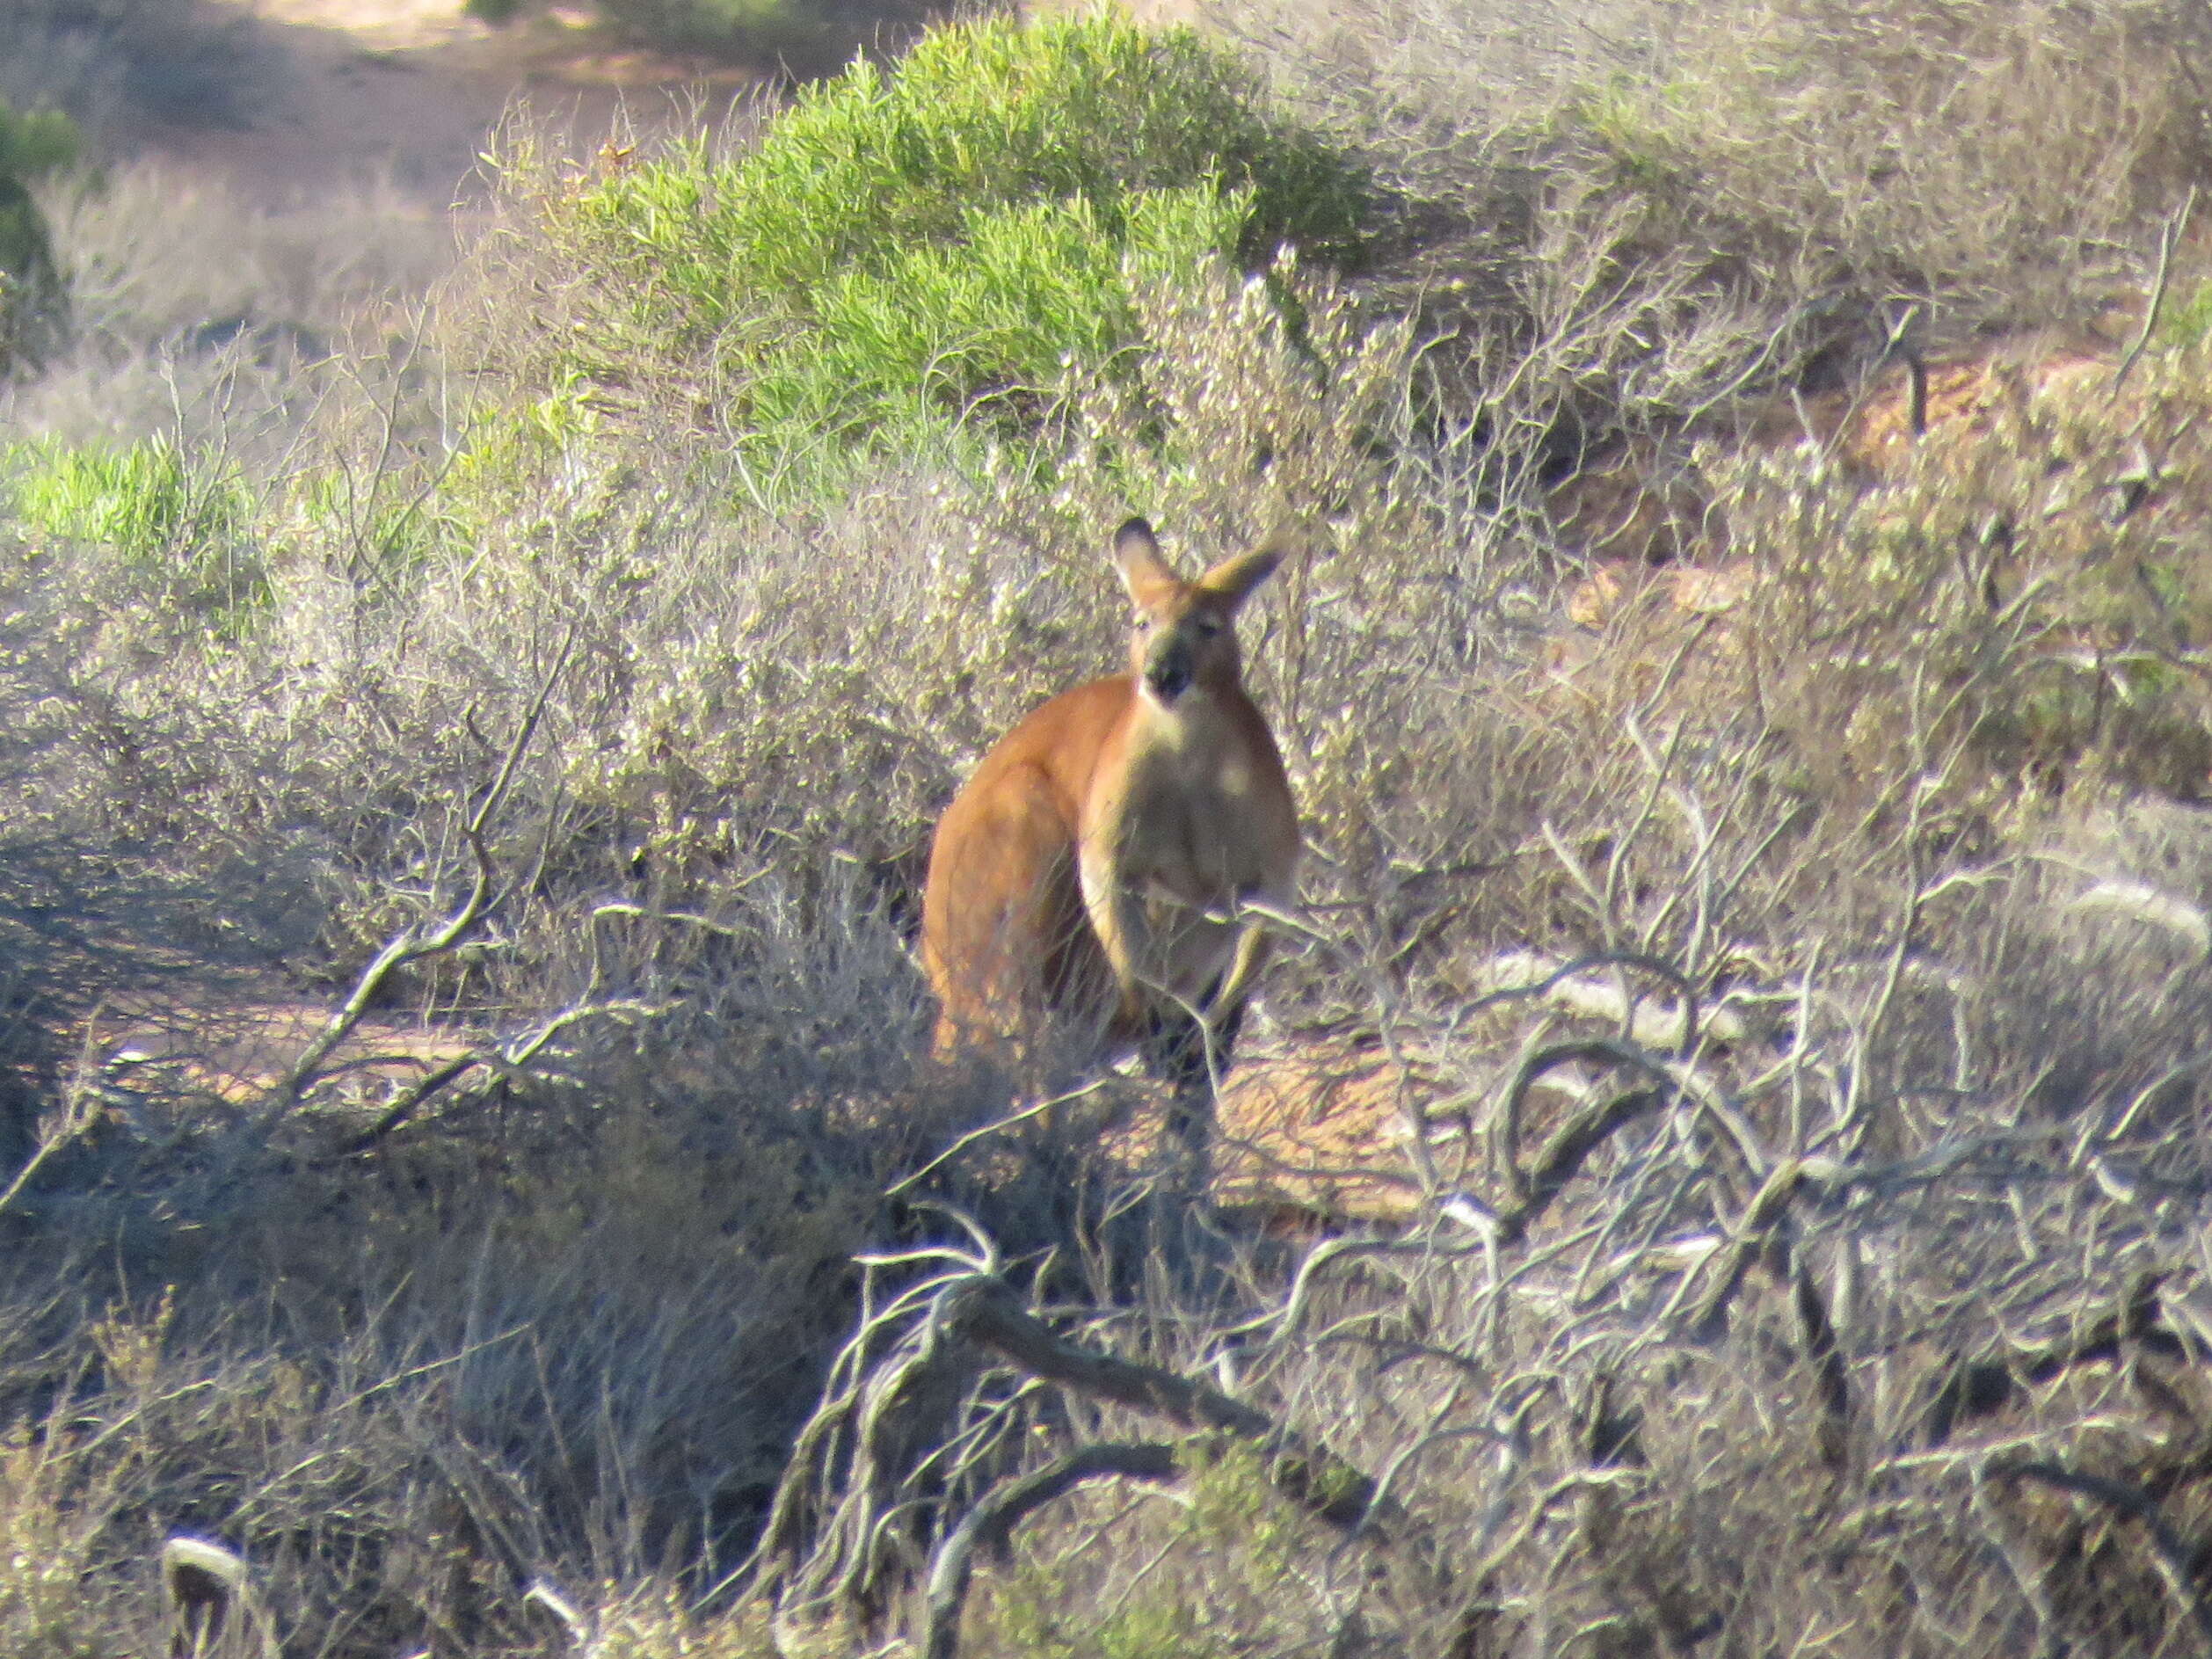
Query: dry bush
[[1884, 142], [409, 1385], [1865, 1309], [1977, 1052], [114, 64], [1842, 1280], [746, 723], [1747, 199], [154, 253], [195, 311], [1799, 1004]]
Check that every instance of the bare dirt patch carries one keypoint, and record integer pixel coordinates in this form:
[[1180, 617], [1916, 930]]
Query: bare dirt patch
[[405, 92]]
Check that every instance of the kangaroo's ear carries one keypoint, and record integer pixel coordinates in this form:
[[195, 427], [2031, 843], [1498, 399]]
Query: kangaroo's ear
[[1144, 572], [1234, 579]]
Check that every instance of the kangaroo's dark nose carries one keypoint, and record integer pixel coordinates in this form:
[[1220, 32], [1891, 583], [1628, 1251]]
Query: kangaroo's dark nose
[[1168, 674]]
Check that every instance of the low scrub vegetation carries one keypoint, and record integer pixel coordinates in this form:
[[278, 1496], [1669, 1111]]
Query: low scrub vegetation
[[468, 1122], [178, 533], [958, 243], [110, 64]]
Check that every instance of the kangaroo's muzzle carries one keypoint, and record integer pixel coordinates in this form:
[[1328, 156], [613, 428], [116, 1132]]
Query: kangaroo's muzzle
[[1168, 673]]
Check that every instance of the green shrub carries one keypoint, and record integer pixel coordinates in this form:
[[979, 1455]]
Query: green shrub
[[950, 238], [2188, 322], [167, 520], [39, 143], [375, 528], [978, 328], [140, 499]]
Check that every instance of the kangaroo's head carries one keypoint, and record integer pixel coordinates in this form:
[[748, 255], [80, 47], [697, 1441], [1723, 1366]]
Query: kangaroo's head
[[1184, 633]]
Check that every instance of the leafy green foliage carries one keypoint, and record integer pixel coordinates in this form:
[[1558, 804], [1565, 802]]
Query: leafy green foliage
[[34, 144], [2188, 322], [141, 499], [152, 507], [995, 114], [977, 327], [950, 238]]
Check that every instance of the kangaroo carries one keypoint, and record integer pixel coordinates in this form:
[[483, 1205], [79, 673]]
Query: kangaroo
[[1096, 866]]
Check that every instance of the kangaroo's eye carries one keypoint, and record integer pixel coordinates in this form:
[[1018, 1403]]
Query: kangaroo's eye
[[1209, 626]]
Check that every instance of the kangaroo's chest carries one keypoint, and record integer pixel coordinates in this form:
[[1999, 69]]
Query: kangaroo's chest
[[1182, 830], [1188, 844]]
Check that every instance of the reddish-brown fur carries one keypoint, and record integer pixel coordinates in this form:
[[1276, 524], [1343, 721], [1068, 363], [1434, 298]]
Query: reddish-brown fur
[[1095, 867]]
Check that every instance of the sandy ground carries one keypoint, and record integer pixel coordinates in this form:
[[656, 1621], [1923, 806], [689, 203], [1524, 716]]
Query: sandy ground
[[405, 92]]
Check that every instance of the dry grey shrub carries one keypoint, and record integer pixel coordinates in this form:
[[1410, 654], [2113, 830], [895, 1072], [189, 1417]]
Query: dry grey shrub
[[114, 65], [1816, 149], [1622, 1428], [735, 682], [1875, 1309], [1685, 212], [196, 312], [737, 727], [743, 718], [1898, 1269], [1890, 1243], [462, 1382]]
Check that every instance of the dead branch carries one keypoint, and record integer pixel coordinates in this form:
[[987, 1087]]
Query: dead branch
[[2170, 233], [2015, 1548], [1976, 1388], [989, 1526], [2174, 1557], [898, 1434], [1331, 1251], [1566, 1485], [1505, 1122], [1573, 987], [1670, 1077], [214, 1611], [76, 1115], [1747, 1240], [1831, 1370], [419, 942], [405, 1104], [876, 1427], [556, 1610], [1563, 1156], [985, 1311], [1761, 1236], [503, 1059], [1011, 1121]]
